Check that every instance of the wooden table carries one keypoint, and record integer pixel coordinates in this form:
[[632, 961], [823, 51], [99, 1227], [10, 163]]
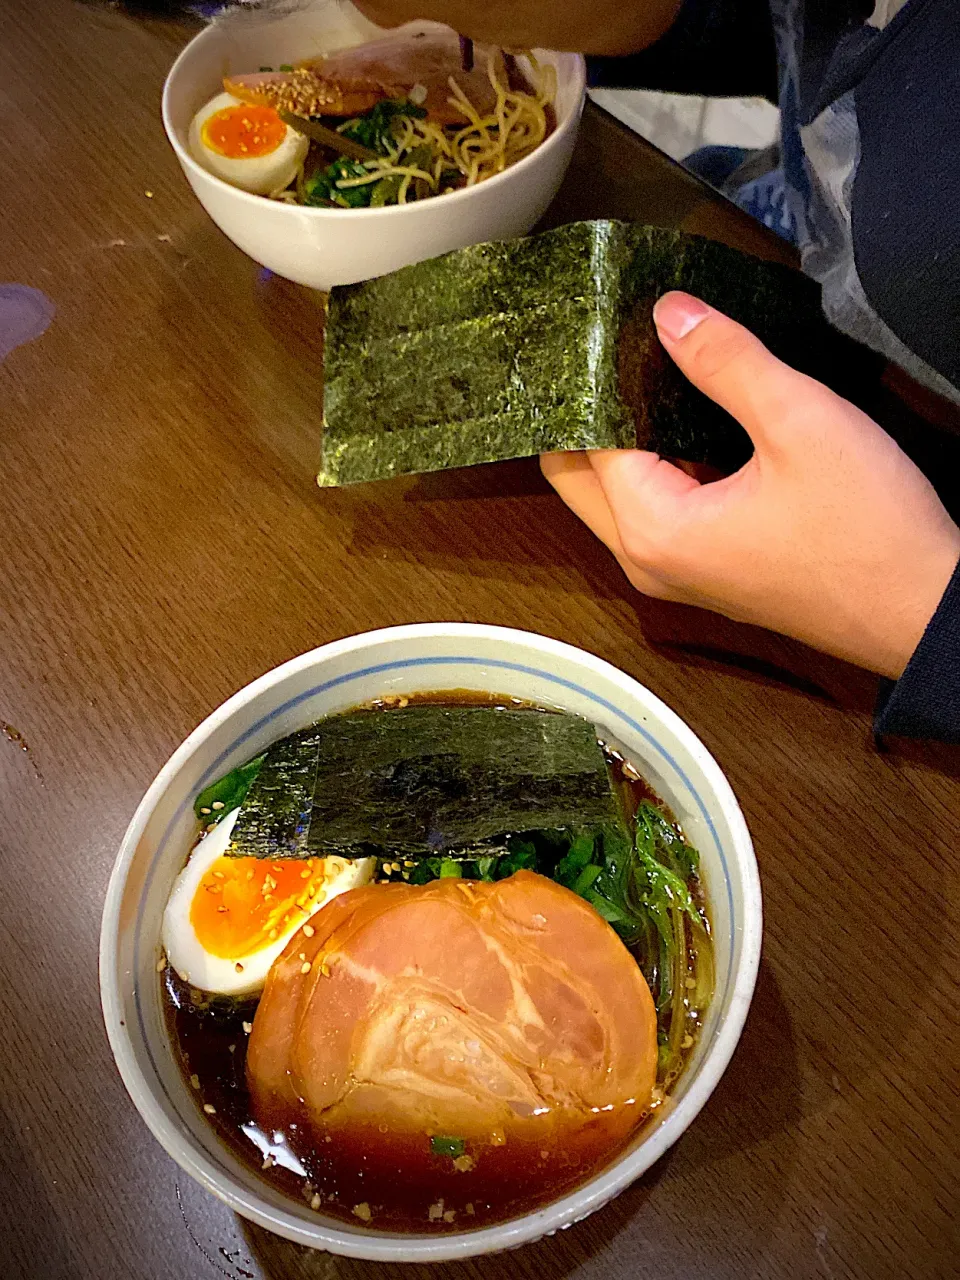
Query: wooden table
[[165, 542]]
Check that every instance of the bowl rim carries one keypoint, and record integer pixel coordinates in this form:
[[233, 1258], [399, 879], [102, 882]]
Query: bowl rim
[[192, 166], [540, 1222]]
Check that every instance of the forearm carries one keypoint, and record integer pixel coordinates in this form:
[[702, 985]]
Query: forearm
[[925, 701], [585, 26]]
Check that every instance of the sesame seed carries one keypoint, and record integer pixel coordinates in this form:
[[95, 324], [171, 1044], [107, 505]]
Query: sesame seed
[[469, 1207], [210, 1110], [303, 955], [325, 970], [148, 194], [195, 1081], [449, 1215], [232, 1048], [218, 875], [306, 967], [221, 908], [248, 1027], [239, 967], [690, 983], [268, 1163], [314, 1201], [204, 810], [362, 1211], [308, 931], [217, 804], [686, 1042], [305, 874]]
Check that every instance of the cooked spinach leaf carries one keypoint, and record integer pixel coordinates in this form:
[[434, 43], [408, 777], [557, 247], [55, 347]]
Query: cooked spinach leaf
[[375, 128], [444, 1146], [224, 795]]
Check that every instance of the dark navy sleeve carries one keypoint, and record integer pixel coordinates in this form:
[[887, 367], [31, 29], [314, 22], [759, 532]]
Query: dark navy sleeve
[[925, 701], [720, 48]]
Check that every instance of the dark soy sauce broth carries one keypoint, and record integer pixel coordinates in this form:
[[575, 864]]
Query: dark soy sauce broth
[[395, 1181]]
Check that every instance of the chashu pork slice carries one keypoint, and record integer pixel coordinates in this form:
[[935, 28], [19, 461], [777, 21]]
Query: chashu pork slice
[[352, 81], [455, 1007]]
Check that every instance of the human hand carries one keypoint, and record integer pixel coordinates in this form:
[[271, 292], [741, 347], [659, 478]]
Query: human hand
[[604, 27], [829, 533]]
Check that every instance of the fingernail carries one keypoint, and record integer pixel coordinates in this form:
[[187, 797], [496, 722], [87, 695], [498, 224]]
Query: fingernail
[[677, 314]]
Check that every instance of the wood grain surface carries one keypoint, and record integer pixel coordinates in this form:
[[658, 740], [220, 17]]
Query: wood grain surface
[[164, 542]]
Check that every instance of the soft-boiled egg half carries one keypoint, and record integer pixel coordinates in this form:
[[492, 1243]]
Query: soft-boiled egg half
[[246, 145], [228, 919]]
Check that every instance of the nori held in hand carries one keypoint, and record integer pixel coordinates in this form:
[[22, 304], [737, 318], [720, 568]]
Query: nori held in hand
[[520, 347], [425, 780]]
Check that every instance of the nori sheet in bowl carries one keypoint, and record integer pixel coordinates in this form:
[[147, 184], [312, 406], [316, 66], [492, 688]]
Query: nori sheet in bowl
[[424, 780], [520, 347]]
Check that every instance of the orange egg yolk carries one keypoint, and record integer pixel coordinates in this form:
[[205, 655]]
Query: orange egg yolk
[[244, 904], [243, 132]]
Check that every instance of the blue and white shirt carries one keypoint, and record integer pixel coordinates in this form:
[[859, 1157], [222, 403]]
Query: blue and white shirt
[[869, 190]]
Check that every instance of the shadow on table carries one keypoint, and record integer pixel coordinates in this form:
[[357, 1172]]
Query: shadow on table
[[759, 1097]]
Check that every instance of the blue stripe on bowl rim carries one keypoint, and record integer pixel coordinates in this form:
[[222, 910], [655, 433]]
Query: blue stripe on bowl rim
[[401, 664]]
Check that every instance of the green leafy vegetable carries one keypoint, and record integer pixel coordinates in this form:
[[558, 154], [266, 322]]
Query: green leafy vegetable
[[285, 66], [443, 1146], [375, 128], [322, 187], [385, 191], [643, 892], [224, 795]]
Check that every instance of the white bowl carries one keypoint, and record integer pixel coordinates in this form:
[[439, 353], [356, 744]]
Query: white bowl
[[326, 247], [333, 678]]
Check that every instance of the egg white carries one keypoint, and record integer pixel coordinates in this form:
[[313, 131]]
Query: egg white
[[260, 175], [215, 974]]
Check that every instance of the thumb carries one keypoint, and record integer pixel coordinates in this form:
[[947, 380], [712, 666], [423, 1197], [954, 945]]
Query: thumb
[[733, 367]]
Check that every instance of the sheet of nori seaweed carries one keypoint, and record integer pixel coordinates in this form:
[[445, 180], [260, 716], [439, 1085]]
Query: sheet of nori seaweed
[[490, 352], [275, 814], [513, 348], [424, 780], [781, 306]]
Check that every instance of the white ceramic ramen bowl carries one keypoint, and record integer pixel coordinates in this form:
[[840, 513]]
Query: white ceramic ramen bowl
[[326, 247], [333, 678]]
